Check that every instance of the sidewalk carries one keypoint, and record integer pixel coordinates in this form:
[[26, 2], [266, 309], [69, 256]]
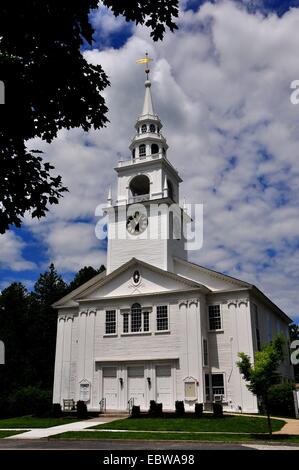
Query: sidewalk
[[39, 433], [291, 427]]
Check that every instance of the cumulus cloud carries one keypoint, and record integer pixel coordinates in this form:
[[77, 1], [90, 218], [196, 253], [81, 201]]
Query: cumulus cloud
[[221, 86], [11, 256]]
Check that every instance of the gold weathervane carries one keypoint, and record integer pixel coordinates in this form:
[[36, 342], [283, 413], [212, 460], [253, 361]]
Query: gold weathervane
[[145, 60]]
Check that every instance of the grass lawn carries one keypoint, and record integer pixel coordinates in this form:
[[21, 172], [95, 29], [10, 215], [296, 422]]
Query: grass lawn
[[152, 436], [9, 433], [205, 424], [28, 422]]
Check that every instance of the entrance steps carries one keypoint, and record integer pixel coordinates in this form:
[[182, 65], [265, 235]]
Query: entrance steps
[[114, 414]]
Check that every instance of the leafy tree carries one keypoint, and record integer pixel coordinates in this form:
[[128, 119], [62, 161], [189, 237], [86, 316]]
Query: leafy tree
[[14, 312], [49, 86], [43, 320], [263, 373], [83, 275]]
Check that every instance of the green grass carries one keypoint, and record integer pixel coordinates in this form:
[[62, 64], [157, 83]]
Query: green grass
[[205, 424], [152, 436], [9, 433], [28, 422]]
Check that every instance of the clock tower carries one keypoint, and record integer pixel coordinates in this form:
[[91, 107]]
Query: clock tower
[[145, 220]]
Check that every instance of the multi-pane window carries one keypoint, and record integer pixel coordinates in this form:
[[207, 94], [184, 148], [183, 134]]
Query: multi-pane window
[[214, 317], [143, 128], [205, 352], [136, 321], [152, 128], [110, 324], [162, 318], [257, 330], [217, 384], [207, 387]]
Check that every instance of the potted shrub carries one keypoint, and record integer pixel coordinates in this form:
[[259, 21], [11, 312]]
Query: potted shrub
[[179, 408], [217, 410], [135, 413], [81, 410], [198, 410]]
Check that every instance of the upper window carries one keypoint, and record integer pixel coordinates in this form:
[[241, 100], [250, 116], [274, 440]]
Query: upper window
[[214, 317], [137, 321], [142, 150], [143, 128], [162, 318], [152, 128], [110, 325], [257, 330], [205, 353]]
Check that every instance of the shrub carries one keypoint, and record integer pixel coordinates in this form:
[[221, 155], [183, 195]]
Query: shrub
[[153, 408], [281, 400], [30, 400], [217, 410], [159, 409], [81, 410], [135, 413], [198, 410], [179, 408], [56, 410]]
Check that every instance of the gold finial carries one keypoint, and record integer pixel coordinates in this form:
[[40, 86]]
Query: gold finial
[[145, 60]]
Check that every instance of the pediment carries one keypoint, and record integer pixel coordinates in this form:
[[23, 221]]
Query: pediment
[[152, 280]]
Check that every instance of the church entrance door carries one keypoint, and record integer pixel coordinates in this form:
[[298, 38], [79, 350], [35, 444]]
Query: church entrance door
[[164, 386], [110, 387], [136, 385]]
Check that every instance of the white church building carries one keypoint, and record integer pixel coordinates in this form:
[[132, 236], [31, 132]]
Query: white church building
[[155, 326]]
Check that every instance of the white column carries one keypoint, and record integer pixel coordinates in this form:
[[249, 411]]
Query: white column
[[81, 352], [58, 361], [66, 366], [89, 350]]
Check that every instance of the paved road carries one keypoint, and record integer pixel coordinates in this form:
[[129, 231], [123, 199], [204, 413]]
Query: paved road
[[44, 444], [60, 444]]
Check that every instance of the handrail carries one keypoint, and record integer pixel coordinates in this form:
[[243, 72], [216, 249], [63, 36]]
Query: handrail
[[103, 405], [130, 404]]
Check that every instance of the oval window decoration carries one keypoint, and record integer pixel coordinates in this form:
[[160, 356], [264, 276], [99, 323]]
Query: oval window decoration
[[136, 277]]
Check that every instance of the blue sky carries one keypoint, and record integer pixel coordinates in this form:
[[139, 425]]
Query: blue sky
[[221, 86]]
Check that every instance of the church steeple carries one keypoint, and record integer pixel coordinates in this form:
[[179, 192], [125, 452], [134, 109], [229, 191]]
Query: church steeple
[[149, 180]]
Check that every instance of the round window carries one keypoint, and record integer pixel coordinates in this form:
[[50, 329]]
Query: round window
[[136, 276]]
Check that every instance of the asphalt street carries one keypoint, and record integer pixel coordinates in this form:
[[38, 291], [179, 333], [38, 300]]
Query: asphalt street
[[44, 444]]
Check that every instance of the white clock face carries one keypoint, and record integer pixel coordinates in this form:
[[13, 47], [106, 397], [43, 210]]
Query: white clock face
[[137, 223]]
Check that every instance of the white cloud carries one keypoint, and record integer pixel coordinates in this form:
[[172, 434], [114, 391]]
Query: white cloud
[[221, 87], [11, 257]]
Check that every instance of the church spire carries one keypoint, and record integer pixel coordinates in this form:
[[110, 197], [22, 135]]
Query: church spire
[[148, 142], [148, 102]]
